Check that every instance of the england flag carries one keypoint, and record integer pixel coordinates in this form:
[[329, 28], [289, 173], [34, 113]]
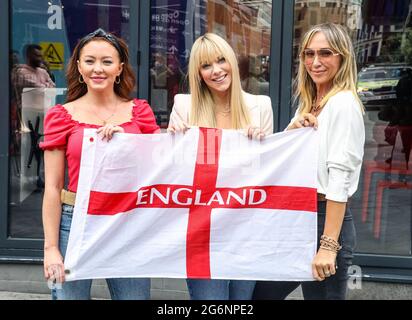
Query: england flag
[[209, 203]]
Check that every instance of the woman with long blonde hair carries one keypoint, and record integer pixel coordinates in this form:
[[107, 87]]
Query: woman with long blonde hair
[[327, 96], [216, 100]]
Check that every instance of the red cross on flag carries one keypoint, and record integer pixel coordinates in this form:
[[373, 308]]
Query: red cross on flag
[[207, 204]]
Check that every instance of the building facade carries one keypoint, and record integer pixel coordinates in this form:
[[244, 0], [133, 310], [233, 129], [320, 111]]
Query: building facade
[[265, 35]]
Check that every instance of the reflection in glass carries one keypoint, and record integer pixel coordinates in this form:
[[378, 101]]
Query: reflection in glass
[[175, 25], [43, 33], [382, 34]]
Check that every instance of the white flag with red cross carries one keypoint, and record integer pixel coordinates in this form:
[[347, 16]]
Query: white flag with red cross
[[207, 204]]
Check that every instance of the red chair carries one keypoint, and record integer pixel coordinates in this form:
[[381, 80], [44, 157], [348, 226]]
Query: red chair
[[371, 167]]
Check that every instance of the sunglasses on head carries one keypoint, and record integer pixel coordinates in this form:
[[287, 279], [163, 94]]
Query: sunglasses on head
[[100, 33], [309, 54]]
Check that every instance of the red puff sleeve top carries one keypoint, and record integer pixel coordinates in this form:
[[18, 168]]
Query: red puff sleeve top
[[62, 132]]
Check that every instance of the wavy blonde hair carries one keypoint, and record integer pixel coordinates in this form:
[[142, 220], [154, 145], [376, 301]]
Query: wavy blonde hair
[[206, 50], [345, 78]]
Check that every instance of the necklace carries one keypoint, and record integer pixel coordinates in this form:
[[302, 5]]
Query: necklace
[[105, 120], [225, 112], [316, 109]]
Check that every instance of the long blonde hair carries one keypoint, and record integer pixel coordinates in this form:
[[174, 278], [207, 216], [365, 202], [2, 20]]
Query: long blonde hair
[[345, 78], [206, 50]]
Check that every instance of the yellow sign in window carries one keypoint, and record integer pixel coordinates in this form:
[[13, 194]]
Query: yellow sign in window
[[53, 53]]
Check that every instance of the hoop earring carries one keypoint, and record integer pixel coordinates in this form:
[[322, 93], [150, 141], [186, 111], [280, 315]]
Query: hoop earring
[[81, 79], [117, 81]]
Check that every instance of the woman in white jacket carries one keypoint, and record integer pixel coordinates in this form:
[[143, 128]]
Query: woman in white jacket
[[218, 101], [326, 91]]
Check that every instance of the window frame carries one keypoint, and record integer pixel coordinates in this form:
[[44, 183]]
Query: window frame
[[4, 116], [8, 246]]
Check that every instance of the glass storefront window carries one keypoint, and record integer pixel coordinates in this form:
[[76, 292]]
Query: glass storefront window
[[175, 25], [43, 35], [381, 31]]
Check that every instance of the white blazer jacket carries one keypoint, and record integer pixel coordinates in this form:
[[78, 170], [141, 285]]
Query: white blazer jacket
[[260, 110]]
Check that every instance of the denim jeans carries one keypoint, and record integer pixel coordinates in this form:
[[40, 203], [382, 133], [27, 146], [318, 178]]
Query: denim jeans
[[213, 289], [120, 288], [332, 288]]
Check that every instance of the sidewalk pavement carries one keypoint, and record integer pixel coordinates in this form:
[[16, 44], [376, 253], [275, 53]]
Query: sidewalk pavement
[[4, 295]]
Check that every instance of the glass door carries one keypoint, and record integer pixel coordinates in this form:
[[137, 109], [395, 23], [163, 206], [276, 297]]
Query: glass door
[[175, 25], [42, 36]]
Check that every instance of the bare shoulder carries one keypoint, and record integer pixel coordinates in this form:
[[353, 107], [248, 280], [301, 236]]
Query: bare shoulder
[[74, 106], [70, 106], [128, 103]]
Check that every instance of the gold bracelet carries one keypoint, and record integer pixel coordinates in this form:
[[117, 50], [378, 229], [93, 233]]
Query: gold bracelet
[[327, 242], [333, 246], [328, 248]]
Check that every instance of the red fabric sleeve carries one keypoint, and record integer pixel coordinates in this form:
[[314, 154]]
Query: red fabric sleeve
[[144, 117], [57, 127]]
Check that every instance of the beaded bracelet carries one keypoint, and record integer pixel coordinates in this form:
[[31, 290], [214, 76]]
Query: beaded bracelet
[[330, 244]]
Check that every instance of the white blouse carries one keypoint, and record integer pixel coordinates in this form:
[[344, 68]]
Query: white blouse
[[341, 146], [260, 108]]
